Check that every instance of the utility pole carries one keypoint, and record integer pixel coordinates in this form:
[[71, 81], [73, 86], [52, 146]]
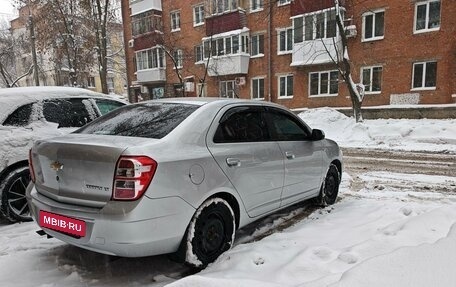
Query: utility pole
[[32, 40]]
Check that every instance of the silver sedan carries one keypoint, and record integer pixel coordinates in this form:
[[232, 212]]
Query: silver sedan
[[178, 176]]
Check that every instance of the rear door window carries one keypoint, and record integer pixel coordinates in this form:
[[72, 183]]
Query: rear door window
[[106, 106], [148, 120], [67, 112], [20, 117], [242, 124]]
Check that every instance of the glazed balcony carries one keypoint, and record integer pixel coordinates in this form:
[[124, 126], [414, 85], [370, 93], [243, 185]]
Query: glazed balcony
[[150, 76]]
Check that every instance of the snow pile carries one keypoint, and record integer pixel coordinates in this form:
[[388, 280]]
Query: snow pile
[[393, 134]]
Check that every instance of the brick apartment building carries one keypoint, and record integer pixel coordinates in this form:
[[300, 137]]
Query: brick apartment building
[[403, 52]]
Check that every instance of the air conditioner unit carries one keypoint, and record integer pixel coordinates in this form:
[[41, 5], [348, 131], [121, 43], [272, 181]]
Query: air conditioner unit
[[144, 90], [240, 81], [131, 43], [350, 31]]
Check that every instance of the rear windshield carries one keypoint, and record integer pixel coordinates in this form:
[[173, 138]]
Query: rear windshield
[[148, 120]]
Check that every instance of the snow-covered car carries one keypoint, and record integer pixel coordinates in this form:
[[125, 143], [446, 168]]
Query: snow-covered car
[[31, 113], [178, 175]]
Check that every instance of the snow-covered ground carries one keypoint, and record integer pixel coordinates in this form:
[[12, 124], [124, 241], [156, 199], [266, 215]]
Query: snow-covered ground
[[372, 237]]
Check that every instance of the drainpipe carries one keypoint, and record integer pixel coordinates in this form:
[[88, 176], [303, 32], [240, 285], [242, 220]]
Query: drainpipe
[[269, 52]]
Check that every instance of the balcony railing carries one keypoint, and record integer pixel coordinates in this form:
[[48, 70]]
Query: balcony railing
[[228, 65], [316, 52], [154, 75], [139, 6]]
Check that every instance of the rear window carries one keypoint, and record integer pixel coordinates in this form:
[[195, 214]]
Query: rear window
[[148, 120]]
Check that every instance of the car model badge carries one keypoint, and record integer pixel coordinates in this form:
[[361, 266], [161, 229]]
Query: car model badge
[[56, 166]]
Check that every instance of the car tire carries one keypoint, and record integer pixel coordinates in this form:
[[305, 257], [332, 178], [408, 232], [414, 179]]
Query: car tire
[[210, 233], [14, 206], [330, 187]]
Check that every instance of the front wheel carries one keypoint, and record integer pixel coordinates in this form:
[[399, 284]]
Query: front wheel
[[329, 188], [12, 190], [210, 233]]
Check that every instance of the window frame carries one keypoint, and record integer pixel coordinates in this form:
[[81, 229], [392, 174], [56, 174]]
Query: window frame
[[286, 86], [415, 17], [159, 56], [198, 10], [178, 56], [374, 14], [257, 43], [175, 21], [423, 77], [283, 2], [228, 92], [284, 30], [328, 94], [314, 25], [257, 3], [371, 69], [252, 85]]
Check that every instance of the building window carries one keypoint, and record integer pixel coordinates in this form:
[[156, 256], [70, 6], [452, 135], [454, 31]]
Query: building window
[[150, 59], [227, 89], [178, 56], [257, 88], [145, 23], [283, 2], [373, 25], [298, 29], [175, 21], [110, 83], [222, 6], [286, 86], [256, 5], [424, 75], [316, 26], [198, 15], [226, 46], [324, 83], [257, 45], [199, 56], [371, 77], [91, 82], [285, 40], [427, 16]]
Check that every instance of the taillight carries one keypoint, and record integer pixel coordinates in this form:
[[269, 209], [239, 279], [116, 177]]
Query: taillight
[[32, 171], [132, 177]]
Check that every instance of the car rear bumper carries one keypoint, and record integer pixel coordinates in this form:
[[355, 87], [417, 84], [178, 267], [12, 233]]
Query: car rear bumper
[[129, 229]]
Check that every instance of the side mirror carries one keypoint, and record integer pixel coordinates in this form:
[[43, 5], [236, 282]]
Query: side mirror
[[317, 135]]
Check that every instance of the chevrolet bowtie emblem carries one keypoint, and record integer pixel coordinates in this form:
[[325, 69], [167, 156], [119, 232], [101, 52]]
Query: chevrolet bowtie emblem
[[56, 166]]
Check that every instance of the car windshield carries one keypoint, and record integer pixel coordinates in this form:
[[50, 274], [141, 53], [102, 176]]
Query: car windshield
[[148, 120]]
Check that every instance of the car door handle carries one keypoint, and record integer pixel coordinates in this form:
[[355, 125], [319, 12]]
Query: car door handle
[[233, 162], [289, 155]]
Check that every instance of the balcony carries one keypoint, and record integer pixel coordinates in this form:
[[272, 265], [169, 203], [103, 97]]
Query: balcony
[[151, 76], [228, 65], [316, 52], [139, 6]]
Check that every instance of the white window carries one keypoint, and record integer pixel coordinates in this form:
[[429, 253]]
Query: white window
[[373, 25], [371, 77], [198, 15], [286, 86], [199, 57], [150, 59], [324, 83], [283, 2], [227, 89], [91, 82], [110, 83], [178, 56], [226, 46], [257, 45], [285, 40], [319, 26], [201, 90], [257, 91], [427, 16], [175, 21], [256, 5], [221, 6], [424, 75]]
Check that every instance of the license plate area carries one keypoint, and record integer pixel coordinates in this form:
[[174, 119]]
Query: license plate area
[[64, 224]]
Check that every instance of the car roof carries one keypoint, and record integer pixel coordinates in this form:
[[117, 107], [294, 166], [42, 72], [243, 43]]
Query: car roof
[[12, 98], [216, 101]]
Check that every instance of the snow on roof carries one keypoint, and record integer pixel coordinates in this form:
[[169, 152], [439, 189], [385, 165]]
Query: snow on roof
[[12, 98]]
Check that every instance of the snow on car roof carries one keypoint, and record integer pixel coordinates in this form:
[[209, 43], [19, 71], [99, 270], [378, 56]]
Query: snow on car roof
[[12, 98]]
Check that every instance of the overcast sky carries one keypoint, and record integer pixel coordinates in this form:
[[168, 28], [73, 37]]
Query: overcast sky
[[6, 7]]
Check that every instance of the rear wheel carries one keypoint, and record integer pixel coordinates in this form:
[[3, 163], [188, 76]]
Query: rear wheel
[[14, 205], [210, 233], [329, 188]]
